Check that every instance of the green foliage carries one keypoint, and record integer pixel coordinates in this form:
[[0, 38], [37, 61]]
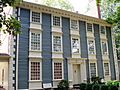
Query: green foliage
[[109, 83], [96, 87], [110, 10], [63, 85], [113, 87], [11, 2], [61, 4], [83, 86], [95, 80], [11, 25], [89, 86], [104, 87]]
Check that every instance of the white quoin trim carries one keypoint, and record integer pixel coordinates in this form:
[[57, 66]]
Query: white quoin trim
[[17, 54]]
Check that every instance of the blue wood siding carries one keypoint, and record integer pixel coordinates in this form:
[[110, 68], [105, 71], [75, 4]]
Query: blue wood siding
[[23, 62], [98, 51], [46, 49], [83, 45], [111, 56], [66, 44]]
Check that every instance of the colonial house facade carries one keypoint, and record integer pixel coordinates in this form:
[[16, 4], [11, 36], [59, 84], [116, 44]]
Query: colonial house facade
[[55, 44]]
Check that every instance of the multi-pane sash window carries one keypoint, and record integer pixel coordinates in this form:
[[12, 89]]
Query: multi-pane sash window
[[56, 21], [75, 45], [35, 41], [92, 69], [91, 47], [102, 30], [35, 71], [104, 48], [56, 43], [35, 17], [89, 27], [57, 70], [106, 69], [74, 24]]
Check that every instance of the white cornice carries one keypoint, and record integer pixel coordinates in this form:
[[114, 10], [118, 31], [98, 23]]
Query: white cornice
[[51, 10]]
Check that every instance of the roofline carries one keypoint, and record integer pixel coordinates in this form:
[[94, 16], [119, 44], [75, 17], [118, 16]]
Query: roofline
[[51, 10]]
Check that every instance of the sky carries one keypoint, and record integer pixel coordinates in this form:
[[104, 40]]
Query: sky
[[87, 7]]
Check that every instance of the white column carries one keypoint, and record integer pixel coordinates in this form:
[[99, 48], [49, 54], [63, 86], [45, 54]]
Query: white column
[[70, 73], [83, 71]]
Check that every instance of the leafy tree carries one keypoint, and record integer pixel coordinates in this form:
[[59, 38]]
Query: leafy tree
[[110, 11], [11, 24], [61, 4]]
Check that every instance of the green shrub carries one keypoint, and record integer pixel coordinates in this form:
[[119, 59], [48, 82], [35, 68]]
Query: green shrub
[[96, 87], [96, 80], [89, 86], [117, 83], [104, 87], [113, 87], [82, 86], [63, 85], [109, 83]]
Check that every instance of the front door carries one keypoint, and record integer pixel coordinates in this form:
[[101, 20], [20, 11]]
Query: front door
[[76, 74], [4, 74]]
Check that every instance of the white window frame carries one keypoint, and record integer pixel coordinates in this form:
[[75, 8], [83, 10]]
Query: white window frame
[[72, 45], [100, 30], [39, 32], [58, 61], [71, 25], [31, 18], [102, 47], [94, 45], [60, 20], [108, 68], [35, 60], [92, 28], [53, 43], [90, 68]]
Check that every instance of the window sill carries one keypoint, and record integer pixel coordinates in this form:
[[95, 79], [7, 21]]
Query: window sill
[[38, 51], [89, 31], [38, 23], [75, 53], [57, 52], [35, 80], [56, 26], [92, 54], [105, 54], [74, 29], [55, 80]]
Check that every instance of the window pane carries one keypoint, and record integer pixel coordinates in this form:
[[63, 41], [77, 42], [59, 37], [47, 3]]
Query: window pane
[[36, 17], [75, 45], [104, 48], [89, 27], [74, 24], [93, 69], [35, 70], [56, 21], [91, 47], [57, 70], [35, 41], [106, 68], [57, 43], [102, 29]]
